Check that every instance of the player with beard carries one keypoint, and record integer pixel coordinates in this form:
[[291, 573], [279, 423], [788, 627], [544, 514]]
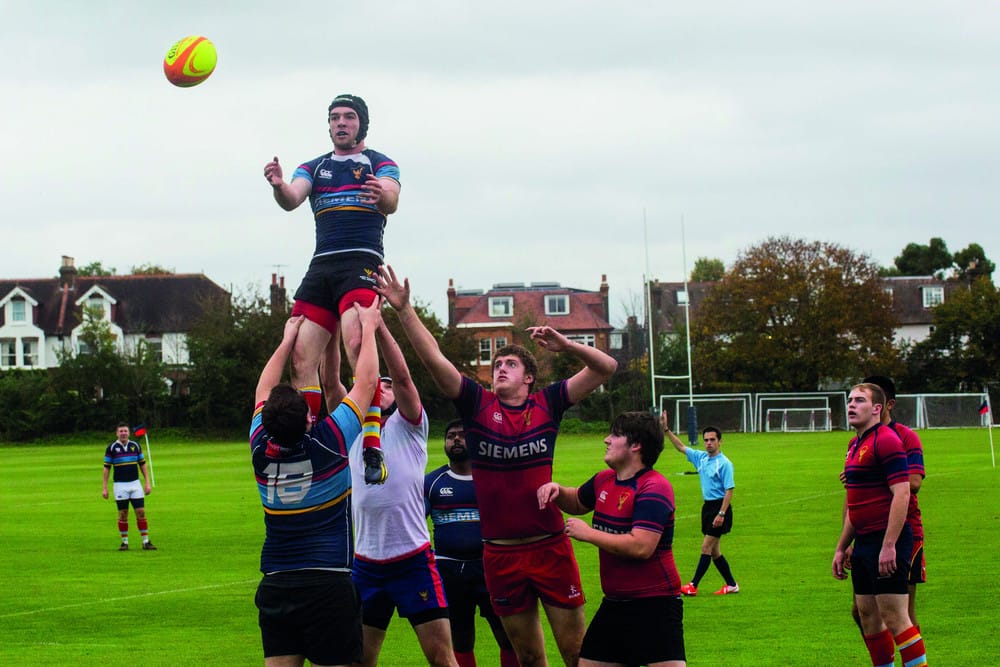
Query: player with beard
[[351, 190], [450, 499], [394, 566]]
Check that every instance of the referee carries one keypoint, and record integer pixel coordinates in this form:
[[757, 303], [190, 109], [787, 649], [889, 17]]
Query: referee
[[716, 474]]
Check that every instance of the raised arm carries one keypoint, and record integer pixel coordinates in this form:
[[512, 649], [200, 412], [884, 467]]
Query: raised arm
[[366, 372], [674, 440], [407, 398], [397, 293], [288, 195], [275, 366], [598, 366]]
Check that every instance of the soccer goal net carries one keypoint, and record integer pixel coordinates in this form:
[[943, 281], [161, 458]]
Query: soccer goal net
[[728, 412], [798, 419], [795, 407], [940, 410]]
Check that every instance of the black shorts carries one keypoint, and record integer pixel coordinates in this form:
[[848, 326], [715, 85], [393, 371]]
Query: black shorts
[[313, 613], [709, 511], [330, 277], [636, 632], [864, 564], [465, 588], [918, 567]]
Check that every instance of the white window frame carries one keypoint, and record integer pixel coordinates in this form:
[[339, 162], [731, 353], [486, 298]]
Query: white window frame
[[29, 355], [615, 341], [485, 351], [501, 306], [15, 316], [499, 342], [682, 297], [933, 295], [8, 352], [590, 340], [551, 301]]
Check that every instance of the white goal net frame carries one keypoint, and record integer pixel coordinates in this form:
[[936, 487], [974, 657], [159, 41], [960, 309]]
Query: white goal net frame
[[798, 420], [921, 411], [834, 401], [712, 411]]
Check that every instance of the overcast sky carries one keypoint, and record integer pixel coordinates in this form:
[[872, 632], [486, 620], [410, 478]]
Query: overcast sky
[[532, 137]]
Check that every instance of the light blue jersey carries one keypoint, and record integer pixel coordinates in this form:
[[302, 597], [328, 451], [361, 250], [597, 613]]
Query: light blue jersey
[[715, 473]]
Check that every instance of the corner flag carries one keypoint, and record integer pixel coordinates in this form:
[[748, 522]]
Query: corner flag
[[984, 408], [140, 431]]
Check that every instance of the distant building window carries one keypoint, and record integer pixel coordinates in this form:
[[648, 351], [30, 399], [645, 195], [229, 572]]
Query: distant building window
[[156, 349], [18, 310], [499, 342], [485, 351], [501, 306], [682, 297], [29, 351], [587, 339], [96, 304], [933, 296], [8, 352], [888, 291], [557, 304], [616, 341], [82, 348]]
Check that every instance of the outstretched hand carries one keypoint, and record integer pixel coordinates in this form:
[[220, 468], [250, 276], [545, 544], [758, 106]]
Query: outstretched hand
[[664, 420], [388, 285], [547, 493], [370, 316], [371, 191], [292, 327], [548, 338], [273, 173]]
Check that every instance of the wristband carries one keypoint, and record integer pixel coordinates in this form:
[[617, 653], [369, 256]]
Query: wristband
[[722, 514]]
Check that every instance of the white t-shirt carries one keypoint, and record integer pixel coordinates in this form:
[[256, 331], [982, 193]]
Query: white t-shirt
[[389, 518]]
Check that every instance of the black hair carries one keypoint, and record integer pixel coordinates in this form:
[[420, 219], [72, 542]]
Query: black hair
[[641, 428], [284, 415]]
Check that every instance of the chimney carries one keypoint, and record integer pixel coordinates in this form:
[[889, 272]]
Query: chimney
[[67, 273], [604, 297], [451, 302], [279, 298]]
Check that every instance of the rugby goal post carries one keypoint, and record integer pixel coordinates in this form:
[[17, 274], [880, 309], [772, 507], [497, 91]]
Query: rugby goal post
[[798, 420], [728, 412]]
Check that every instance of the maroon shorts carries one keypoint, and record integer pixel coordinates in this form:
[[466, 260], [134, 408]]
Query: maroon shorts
[[517, 576]]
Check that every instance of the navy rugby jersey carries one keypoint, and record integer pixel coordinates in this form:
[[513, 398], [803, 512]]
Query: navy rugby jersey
[[511, 449], [124, 460], [343, 222], [450, 499], [306, 493], [645, 502]]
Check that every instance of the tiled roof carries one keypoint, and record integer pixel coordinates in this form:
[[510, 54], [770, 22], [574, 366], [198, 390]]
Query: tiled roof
[[586, 310], [145, 303]]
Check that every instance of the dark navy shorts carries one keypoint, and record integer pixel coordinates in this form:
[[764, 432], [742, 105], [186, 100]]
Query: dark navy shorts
[[636, 632]]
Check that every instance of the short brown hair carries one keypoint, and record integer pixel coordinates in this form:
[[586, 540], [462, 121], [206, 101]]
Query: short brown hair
[[284, 415], [876, 392], [526, 357]]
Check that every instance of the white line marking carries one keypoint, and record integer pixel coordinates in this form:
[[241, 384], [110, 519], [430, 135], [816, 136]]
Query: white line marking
[[127, 597]]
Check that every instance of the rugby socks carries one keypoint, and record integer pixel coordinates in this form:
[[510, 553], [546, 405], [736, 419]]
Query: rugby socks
[[314, 398], [508, 658], [372, 425], [911, 647], [465, 659], [703, 564], [722, 565], [881, 648], [123, 529], [143, 529]]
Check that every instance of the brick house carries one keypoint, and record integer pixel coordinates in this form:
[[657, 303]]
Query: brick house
[[40, 317], [498, 316]]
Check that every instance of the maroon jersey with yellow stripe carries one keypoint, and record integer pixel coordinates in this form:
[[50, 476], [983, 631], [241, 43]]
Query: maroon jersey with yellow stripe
[[875, 461], [643, 502]]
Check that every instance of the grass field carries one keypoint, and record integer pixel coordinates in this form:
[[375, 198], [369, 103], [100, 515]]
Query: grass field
[[69, 597]]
